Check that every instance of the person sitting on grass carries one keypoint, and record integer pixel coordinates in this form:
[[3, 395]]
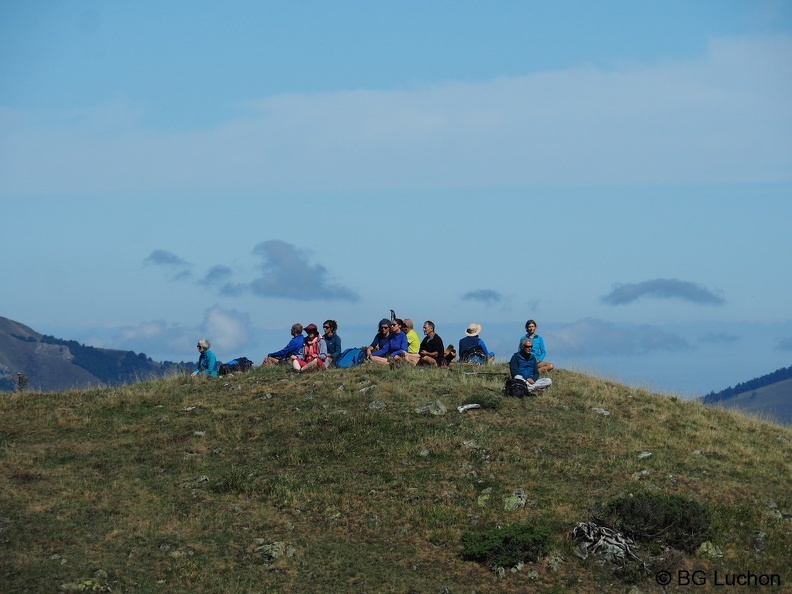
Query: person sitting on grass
[[380, 338], [332, 339], [431, 351], [413, 340], [395, 344], [312, 355], [522, 366], [283, 356], [472, 349], [538, 352], [207, 362]]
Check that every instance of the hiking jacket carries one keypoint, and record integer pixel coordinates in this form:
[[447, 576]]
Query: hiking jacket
[[469, 342], [290, 349], [538, 348], [207, 364], [392, 345], [333, 345], [526, 367]]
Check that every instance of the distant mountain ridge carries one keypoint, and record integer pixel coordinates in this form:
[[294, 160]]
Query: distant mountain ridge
[[768, 396], [53, 364]]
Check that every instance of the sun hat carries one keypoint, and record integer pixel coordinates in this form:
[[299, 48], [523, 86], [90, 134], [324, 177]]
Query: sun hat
[[473, 330], [312, 328]]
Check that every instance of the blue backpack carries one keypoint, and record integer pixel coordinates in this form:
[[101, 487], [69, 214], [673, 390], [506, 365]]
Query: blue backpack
[[350, 358]]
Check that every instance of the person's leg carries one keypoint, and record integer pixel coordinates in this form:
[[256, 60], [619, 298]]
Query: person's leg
[[427, 361], [380, 360], [542, 383], [411, 358], [545, 366], [312, 366]]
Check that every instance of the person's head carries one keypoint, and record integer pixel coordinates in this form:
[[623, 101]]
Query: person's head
[[407, 325], [384, 326], [297, 329], [428, 327], [530, 326], [526, 346], [330, 326], [473, 330], [312, 330], [203, 344], [396, 325]]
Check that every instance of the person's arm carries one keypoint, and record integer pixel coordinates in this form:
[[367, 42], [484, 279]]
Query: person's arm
[[538, 349], [398, 344], [514, 365], [321, 349], [295, 345]]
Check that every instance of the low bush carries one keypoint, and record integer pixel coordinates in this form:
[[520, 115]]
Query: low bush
[[677, 521], [505, 547]]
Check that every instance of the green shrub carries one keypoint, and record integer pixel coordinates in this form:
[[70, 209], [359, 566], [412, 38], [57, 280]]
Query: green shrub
[[677, 521], [505, 547]]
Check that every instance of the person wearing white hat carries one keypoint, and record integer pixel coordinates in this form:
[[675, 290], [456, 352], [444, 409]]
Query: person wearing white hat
[[472, 348]]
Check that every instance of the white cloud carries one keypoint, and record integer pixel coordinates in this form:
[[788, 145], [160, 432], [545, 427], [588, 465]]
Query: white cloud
[[227, 330], [724, 118], [598, 338]]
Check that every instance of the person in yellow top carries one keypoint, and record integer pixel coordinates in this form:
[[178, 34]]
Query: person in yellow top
[[413, 341]]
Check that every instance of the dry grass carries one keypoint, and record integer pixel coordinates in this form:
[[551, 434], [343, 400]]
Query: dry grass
[[178, 485]]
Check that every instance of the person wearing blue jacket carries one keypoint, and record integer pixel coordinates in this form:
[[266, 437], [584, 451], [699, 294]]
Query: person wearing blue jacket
[[394, 344], [207, 362], [523, 366], [538, 351], [332, 340], [283, 356], [472, 339]]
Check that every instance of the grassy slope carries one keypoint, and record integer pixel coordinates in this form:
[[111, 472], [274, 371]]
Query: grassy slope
[[174, 485], [773, 401]]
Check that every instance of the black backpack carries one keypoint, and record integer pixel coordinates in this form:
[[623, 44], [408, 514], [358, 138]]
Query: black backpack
[[474, 354], [515, 388], [238, 364]]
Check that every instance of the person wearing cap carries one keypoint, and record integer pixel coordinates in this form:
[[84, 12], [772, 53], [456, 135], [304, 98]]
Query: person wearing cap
[[284, 355], [471, 340], [380, 338], [312, 355], [394, 345], [207, 362]]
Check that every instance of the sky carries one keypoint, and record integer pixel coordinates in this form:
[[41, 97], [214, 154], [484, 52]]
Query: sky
[[618, 171]]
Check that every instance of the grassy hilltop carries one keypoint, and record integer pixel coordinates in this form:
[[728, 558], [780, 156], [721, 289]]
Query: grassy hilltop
[[270, 481]]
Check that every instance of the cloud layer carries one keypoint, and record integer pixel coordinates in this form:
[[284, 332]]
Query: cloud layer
[[487, 296], [723, 118], [662, 288], [598, 338], [285, 271]]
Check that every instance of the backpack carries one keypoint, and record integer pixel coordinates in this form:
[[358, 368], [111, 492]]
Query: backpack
[[474, 354], [350, 358], [238, 364], [515, 387]]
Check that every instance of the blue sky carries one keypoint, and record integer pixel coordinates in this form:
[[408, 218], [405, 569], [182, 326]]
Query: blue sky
[[619, 171]]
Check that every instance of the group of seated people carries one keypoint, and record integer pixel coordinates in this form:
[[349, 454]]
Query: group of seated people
[[396, 342]]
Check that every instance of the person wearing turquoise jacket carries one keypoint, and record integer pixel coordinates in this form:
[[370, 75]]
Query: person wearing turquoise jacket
[[538, 349], [207, 362]]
